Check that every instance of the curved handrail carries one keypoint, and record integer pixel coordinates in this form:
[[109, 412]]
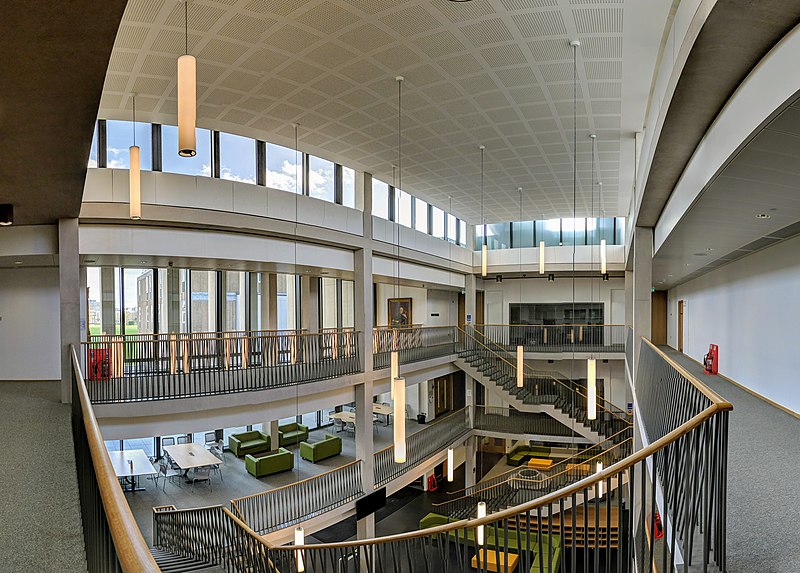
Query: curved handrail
[[546, 325], [496, 480], [132, 551], [602, 403]]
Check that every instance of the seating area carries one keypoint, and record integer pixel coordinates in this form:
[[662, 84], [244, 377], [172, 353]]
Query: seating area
[[252, 442], [293, 433], [521, 455], [317, 451], [271, 463]]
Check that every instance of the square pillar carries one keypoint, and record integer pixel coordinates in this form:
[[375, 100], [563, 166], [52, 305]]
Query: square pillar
[[173, 307], [309, 301], [365, 451], [269, 301], [642, 287], [108, 316], [69, 286]]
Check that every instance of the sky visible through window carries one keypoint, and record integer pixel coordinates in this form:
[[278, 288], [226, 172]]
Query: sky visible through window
[[200, 164], [284, 168], [120, 139], [237, 158]]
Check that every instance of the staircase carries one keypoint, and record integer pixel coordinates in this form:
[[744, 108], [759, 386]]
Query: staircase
[[171, 563], [544, 392]]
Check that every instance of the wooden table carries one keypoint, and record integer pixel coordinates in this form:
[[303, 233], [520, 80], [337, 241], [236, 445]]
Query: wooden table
[[540, 463], [188, 456], [382, 410], [129, 465], [490, 561]]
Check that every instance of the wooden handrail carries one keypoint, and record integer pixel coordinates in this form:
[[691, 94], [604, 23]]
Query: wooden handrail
[[209, 336], [132, 550], [293, 484]]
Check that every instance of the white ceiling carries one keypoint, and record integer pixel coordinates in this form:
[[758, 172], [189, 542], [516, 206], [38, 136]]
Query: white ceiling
[[491, 72], [722, 225]]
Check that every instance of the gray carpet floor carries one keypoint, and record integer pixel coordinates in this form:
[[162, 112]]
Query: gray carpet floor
[[40, 521], [763, 474]]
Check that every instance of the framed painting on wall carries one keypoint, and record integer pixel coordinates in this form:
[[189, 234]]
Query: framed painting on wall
[[399, 312]]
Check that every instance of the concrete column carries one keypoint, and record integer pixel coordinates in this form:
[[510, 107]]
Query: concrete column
[[363, 292], [274, 438], [212, 302], [69, 278], [365, 450], [470, 452], [269, 301], [84, 302], [470, 298], [642, 286], [173, 306], [629, 298], [309, 301], [108, 315]]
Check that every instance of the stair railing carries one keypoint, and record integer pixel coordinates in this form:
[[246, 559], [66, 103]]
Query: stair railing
[[203, 533]]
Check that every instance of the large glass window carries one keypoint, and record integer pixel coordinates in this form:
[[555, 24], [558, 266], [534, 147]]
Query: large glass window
[[93, 149], [421, 215], [284, 168], [522, 234], [139, 301], [235, 300], [620, 231], [320, 178], [348, 304], [94, 297], [462, 233], [119, 136], [573, 230], [498, 235], [287, 302], [451, 228], [380, 199], [237, 158], [348, 187], [329, 303], [200, 164], [402, 207], [204, 307], [551, 232], [437, 222]]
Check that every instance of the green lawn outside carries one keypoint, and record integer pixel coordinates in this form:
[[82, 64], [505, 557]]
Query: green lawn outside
[[94, 329]]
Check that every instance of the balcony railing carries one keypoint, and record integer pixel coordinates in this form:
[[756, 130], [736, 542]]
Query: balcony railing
[[436, 437], [178, 365], [510, 421], [413, 343], [557, 338], [279, 508]]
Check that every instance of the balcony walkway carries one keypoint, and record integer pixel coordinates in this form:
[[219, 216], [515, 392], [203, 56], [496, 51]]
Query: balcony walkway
[[763, 467], [39, 505]]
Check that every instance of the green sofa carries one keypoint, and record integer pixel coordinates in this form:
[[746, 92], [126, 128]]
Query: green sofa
[[292, 433], [280, 461], [521, 454], [248, 443], [327, 448], [551, 544]]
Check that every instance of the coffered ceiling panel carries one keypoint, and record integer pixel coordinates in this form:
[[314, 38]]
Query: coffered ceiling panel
[[497, 73]]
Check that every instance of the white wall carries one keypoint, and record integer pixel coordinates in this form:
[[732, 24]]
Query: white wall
[[750, 308], [540, 290], [29, 319], [445, 304]]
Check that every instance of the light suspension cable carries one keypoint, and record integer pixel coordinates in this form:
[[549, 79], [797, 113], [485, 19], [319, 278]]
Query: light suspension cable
[[135, 173], [398, 384], [187, 95], [574, 45], [520, 348], [484, 247]]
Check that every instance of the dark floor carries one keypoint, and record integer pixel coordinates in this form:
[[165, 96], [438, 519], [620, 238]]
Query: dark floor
[[40, 519], [763, 470]]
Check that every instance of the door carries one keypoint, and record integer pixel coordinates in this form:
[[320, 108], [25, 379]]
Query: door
[[658, 318], [479, 306], [680, 326], [462, 309]]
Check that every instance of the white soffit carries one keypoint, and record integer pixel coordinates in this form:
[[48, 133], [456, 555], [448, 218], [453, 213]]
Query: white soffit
[[491, 72]]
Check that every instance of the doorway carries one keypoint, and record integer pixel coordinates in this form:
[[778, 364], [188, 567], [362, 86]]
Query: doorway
[[680, 325], [479, 306]]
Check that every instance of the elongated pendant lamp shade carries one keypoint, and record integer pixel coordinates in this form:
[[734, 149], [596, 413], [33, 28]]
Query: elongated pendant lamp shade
[[520, 366], [187, 106], [135, 183], [591, 389], [450, 464], [394, 368], [399, 386], [484, 262], [600, 484], [481, 513], [299, 539], [541, 257], [602, 256]]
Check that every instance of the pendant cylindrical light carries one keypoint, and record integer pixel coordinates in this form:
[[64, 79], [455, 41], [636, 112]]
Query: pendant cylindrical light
[[481, 513], [602, 256], [541, 257], [394, 368], [520, 366], [450, 464], [591, 389], [484, 262], [135, 183], [600, 484], [299, 539], [399, 392], [187, 106]]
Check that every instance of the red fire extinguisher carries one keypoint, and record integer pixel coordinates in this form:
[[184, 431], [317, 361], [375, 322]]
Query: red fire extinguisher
[[432, 484], [711, 360]]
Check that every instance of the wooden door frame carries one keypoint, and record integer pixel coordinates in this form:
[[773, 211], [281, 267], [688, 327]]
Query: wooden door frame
[[681, 312]]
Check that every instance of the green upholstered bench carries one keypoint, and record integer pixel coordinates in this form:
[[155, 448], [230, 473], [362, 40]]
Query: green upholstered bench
[[521, 454], [280, 461], [550, 544], [248, 443], [292, 433], [327, 448]]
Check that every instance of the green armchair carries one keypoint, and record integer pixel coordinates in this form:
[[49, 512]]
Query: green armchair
[[249, 443], [293, 433], [327, 448], [280, 461]]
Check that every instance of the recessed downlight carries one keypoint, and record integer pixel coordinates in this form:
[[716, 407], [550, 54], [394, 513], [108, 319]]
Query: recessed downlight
[[763, 216], [17, 262]]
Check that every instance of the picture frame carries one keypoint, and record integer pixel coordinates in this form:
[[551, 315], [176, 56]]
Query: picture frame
[[399, 312]]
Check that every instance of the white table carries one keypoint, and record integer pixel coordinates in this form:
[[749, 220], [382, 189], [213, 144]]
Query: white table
[[382, 410], [129, 465], [189, 456], [344, 417]]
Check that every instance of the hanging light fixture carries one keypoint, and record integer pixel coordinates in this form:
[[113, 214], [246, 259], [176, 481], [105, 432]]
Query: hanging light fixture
[[520, 348], [603, 260], [591, 389], [481, 514], [394, 370], [399, 392], [299, 540], [135, 174], [600, 488], [541, 257], [187, 95], [395, 362], [450, 464], [484, 247]]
